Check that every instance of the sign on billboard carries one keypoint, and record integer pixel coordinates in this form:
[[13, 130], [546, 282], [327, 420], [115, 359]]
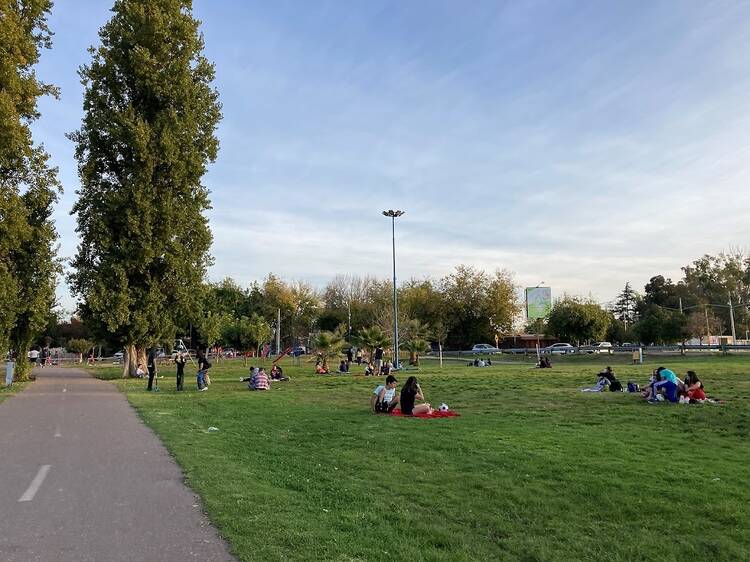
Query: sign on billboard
[[538, 302]]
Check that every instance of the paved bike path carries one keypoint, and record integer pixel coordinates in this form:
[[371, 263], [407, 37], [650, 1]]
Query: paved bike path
[[83, 479]]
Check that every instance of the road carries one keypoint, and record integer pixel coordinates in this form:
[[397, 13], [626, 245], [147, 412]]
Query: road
[[83, 479]]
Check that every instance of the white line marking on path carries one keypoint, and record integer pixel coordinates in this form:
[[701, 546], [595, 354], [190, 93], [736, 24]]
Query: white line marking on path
[[65, 390], [36, 483]]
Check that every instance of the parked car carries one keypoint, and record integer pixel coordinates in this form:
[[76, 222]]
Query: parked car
[[602, 347], [119, 354], [299, 350], [229, 353], [559, 349], [484, 348]]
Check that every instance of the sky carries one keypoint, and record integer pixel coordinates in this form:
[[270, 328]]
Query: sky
[[582, 144]]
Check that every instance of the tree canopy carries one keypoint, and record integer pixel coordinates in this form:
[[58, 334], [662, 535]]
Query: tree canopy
[[147, 136], [28, 184]]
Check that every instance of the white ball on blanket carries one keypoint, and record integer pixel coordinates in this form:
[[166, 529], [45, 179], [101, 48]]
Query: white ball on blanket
[[444, 407]]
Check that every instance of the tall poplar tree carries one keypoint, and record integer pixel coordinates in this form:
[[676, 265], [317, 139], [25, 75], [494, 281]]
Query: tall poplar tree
[[28, 185], [148, 134]]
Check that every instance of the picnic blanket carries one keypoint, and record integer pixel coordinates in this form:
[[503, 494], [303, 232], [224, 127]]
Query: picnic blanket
[[434, 414]]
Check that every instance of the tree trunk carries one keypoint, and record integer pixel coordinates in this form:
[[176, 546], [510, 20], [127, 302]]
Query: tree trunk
[[23, 368], [130, 361]]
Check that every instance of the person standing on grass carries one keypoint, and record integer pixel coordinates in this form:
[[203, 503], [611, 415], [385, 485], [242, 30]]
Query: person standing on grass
[[349, 356], [378, 359], [203, 367], [151, 366], [384, 398], [180, 361], [410, 393]]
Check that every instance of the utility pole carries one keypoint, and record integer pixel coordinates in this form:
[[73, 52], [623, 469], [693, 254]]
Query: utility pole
[[278, 331], [708, 330], [681, 312], [731, 320]]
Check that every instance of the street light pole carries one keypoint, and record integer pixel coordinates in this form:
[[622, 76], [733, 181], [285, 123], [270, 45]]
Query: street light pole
[[393, 215]]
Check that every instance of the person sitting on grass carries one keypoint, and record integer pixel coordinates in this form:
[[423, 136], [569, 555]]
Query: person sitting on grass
[[343, 367], [259, 381], [370, 370], [320, 369], [139, 372], [384, 398], [668, 383], [277, 374], [410, 393], [694, 388], [614, 384], [604, 379], [544, 363], [385, 370]]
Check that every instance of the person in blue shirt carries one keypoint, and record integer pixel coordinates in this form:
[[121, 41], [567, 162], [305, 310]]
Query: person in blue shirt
[[668, 382]]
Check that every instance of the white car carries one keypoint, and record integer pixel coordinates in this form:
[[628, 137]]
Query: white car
[[602, 347], [559, 349], [484, 348], [119, 355]]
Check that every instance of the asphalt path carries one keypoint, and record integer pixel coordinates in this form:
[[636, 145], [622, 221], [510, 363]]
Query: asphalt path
[[83, 479]]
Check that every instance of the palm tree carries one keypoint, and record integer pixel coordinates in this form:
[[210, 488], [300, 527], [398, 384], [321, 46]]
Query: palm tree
[[415, 336], [371, 338], [415, 346], [327, 344]]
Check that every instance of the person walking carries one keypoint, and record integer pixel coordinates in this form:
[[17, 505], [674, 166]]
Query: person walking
[[180, 361], [152, 371]]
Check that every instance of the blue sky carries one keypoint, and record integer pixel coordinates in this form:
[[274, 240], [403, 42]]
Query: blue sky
[[583, 144]]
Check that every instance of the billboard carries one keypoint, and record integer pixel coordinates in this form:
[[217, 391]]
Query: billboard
[[538, 302]]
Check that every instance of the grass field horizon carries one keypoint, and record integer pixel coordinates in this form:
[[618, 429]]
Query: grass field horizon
[[532, 470]]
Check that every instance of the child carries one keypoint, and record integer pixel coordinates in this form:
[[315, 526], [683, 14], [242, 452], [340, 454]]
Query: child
[[384, 398]]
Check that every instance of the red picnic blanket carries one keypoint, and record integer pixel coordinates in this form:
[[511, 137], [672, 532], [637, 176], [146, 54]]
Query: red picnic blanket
[[434, 414]]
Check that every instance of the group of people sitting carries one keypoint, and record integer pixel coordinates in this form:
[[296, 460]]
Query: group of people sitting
[[664, 385], [480, 363], [384, 398], [260, 380], [544, 363]]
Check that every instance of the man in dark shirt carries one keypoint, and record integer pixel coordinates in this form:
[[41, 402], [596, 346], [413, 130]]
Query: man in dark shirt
[[151, 366], [180, 361]]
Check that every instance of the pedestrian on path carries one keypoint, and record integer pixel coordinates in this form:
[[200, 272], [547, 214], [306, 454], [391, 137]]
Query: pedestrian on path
[[151, 366]]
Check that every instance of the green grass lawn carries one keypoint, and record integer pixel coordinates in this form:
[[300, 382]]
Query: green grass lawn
[[532, 470], [8, 391]]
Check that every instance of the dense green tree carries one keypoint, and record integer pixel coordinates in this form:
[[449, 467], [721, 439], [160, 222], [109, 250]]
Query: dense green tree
[[28, 185], [659, 325], [147, 136], [478, 305], [577, 320], [714, 280]]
